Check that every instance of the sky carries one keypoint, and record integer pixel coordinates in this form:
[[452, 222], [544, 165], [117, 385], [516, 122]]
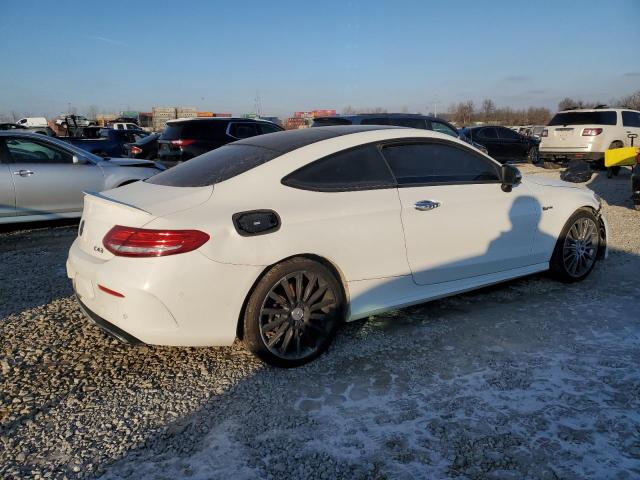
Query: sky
[[301, 55]]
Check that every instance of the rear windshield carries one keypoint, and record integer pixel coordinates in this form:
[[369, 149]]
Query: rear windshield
[[584, 118], [195, 130], [326, 122], [215, 166]]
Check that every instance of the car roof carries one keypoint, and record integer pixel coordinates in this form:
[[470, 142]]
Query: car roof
[[289, 140], [386, 115], [603, 109], [219, 119]]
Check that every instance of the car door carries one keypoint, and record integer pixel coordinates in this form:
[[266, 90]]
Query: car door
[[489, 138], [46, 178], [7, 191], [514, 144], [458, 222]]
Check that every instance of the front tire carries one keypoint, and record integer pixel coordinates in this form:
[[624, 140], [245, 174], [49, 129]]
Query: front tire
[[533, 156], [576, 250], [293, 313]]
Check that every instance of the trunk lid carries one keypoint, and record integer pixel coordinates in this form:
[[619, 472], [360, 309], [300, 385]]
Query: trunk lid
[[133, 205], [569, 137]]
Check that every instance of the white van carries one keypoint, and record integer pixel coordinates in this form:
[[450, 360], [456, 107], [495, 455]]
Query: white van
[[33, 122], [586, 133]]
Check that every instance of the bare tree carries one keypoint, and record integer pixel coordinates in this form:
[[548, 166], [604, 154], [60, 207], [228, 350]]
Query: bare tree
[[488, 110], [630, 101], [349, 110]]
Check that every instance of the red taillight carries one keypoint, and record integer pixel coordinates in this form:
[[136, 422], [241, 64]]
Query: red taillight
[[136, 150], [545, 133], [181, 143], [591, 132], [142, 242]]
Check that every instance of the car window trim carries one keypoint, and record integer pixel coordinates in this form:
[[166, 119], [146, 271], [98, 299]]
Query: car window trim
[[417, 140], [42, 144]]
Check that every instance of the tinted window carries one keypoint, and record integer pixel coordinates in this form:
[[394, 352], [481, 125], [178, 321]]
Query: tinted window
[[196, 130], [267, 128], [243, 130], [28, 151], [508, 134], [488, 133], [359, 168], [375, 121], [437, 163], [215, 166], [631, 119], [325, 122], [584, 118], [443, 128]]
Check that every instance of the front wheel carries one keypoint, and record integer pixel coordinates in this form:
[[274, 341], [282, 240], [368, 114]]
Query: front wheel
[[577, 247], [533, 155], [294, 312]]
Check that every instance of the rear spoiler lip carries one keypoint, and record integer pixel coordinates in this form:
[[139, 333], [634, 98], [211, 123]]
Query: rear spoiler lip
[[109, 199]]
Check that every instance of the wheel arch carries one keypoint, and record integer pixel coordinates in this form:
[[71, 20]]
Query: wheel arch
[[332, 266], [602, 226]]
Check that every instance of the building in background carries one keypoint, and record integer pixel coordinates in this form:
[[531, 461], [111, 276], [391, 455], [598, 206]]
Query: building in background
[[305, 119]]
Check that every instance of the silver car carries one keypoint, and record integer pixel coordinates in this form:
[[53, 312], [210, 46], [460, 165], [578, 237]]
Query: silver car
[[42, 178]]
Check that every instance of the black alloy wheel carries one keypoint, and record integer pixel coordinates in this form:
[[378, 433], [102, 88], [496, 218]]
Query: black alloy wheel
[[293, 313]]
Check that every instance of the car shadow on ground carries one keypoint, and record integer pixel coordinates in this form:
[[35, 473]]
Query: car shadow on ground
[[621, 196]]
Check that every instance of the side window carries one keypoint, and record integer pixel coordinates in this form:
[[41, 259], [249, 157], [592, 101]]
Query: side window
[[509, 134], [243, 130], [442, 128], [419, 163], [375, 121], [266, 128], [409, 122], [28, 151], [488, 133], [360, 168], [631, 119]]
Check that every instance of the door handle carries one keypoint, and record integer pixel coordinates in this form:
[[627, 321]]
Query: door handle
[[24, 173], [426, 205]]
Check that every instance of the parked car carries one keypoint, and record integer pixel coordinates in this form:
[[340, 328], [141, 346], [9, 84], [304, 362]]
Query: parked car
[[11, 126], [536, 131], [146, 147], [280, 238], [412, 120], [15, 126], [74, 120], [586, 134], [42, 178], [187, 138], [635, 183], [503, 143], [125, 120], [33, 122], [106, 142], [124, 126]]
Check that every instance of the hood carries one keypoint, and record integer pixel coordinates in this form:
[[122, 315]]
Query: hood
[[549, 182]]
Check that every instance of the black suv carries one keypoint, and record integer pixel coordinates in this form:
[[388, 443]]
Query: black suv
[[185, 139], [412, 120]]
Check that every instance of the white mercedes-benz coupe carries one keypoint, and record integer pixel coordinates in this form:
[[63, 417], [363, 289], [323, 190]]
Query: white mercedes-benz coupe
[[278, 239]]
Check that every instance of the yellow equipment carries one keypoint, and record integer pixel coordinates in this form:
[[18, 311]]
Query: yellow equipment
[[621, 157]]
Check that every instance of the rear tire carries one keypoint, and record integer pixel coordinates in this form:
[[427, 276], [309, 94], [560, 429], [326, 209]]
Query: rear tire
[[294, 312], [576, 251], [533, 156]]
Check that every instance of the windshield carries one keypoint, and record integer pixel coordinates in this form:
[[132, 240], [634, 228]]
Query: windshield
[[584, 118]]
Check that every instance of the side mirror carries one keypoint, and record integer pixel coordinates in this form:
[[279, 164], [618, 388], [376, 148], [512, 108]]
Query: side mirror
[[510, 176], [78, 161]]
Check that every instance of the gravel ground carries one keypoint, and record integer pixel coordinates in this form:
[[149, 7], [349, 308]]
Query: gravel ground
[[529, 379]]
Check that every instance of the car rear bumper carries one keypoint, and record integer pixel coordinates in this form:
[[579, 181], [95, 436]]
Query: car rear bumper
[[182, 300], [555, 156]]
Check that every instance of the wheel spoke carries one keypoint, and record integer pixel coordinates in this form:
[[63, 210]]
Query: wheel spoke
[[299, 286], [298, 339], [267, 327], [278, 335], [321, 305], [278, 298], [287, 290], [317, 295], [287, 339], [275, 311], [307, 291]]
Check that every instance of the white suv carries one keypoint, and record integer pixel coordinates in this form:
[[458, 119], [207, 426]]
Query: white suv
[[586, 134]]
